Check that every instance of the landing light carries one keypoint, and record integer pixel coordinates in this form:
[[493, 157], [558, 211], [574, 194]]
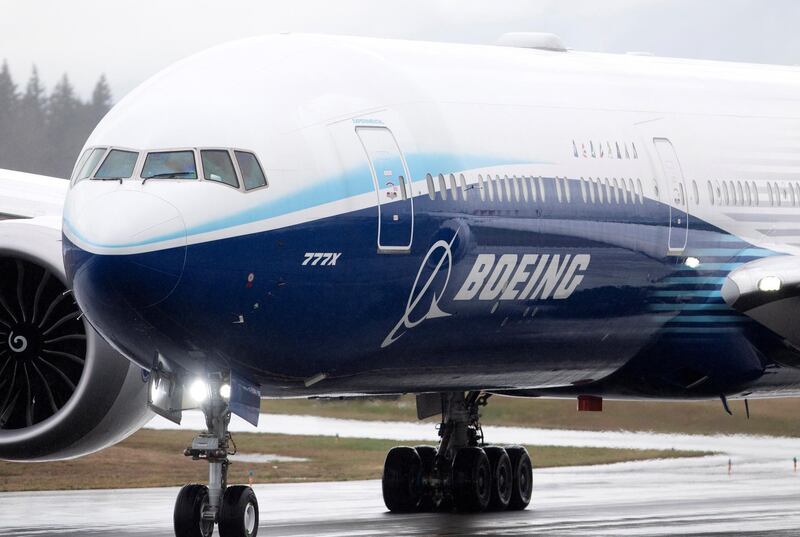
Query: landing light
[[692, 262], [198, 391], [769, 284], [225, 391]]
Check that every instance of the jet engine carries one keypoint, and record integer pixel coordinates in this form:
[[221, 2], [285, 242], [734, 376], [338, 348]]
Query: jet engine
[[64, 392]]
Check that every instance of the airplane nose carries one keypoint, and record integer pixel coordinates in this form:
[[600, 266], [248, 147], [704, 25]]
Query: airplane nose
[[129, 248]]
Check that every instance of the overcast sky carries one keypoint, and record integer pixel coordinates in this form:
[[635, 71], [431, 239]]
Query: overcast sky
[[129, 40]]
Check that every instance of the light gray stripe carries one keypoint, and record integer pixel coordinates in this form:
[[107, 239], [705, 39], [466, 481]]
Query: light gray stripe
[[771, 218], [780, 232]]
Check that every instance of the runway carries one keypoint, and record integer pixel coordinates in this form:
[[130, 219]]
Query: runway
[[664, 497]]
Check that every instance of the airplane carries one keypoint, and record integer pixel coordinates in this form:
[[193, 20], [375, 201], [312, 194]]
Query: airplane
[[318, 216]]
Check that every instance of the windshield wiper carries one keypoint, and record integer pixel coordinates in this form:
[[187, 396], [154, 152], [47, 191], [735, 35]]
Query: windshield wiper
[[166, 175], [109, 179]]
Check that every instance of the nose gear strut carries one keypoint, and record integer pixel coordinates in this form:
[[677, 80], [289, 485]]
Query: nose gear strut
[[199, 507]]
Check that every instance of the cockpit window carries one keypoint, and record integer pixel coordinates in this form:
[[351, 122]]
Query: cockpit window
[[90, 163], [170, 165], [81, 161], [118, 165], [252, 175], [217, 166]]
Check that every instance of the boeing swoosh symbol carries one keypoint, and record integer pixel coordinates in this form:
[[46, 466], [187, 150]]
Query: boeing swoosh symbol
[[414, 298]]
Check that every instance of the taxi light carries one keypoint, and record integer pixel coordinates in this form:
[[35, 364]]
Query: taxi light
[[198, 391], [769, 284], [692, 262], [225, 391]]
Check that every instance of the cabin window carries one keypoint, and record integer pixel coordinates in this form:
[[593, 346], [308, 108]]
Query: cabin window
[[623, 192], [463, 182], [558, 189], [497, 187], [541, 188], [482, 187], [491, 187], [453, 187], [403, 188], [523, 187], [725, 193], [515, 186], [532, 185], [506, 186], [566, 189], [710, 193], [170, 165], [583, 190], [252, 174], [442, 186], [640, 190], [218, 166], [118, 164], [431, 188]]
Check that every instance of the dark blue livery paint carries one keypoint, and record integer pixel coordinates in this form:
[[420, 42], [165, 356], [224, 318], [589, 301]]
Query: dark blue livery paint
[[641, 323]]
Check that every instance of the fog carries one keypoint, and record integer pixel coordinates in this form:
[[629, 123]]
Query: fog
[[130, 40]]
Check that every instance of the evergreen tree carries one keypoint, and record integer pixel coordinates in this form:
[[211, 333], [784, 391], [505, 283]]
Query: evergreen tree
[[101, 99], [40, 134], [8, 110], [64, 132], [28, 145]]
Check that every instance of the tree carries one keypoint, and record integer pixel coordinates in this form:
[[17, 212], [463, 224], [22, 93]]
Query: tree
[[64, 132], [40, 134], [30, 127], [8, 110], [101, 99]]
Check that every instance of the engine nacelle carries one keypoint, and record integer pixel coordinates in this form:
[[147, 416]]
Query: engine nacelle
[[64, 392]]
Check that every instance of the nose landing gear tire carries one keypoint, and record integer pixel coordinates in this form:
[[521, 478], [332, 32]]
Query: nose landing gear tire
[[472, 480], [189, 508], [522, 474], [402, 480], [238, 514]]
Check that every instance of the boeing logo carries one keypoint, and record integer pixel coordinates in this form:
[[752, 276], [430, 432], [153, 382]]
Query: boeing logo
[[529, 277], [419, 290], [507, 277]]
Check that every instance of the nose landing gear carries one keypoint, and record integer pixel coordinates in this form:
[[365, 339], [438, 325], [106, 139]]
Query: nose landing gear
[[198, 507], [462, 474]]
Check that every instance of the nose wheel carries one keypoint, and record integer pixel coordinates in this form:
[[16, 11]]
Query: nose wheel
[[198, 508]]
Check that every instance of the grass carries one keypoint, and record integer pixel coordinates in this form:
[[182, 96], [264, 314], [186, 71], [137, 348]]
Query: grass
[[153, 459], [771, 417]]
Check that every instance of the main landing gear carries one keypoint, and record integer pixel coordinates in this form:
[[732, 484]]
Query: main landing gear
[[462, 474], [198, 507]]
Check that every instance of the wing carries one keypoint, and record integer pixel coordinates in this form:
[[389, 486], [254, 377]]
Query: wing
[[25, 195]]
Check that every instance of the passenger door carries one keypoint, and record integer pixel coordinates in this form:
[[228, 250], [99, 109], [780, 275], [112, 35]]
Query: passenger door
[[678, 199], [393, 187]]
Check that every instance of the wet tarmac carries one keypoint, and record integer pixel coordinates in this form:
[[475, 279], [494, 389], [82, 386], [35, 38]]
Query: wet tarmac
[[696, 496]]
